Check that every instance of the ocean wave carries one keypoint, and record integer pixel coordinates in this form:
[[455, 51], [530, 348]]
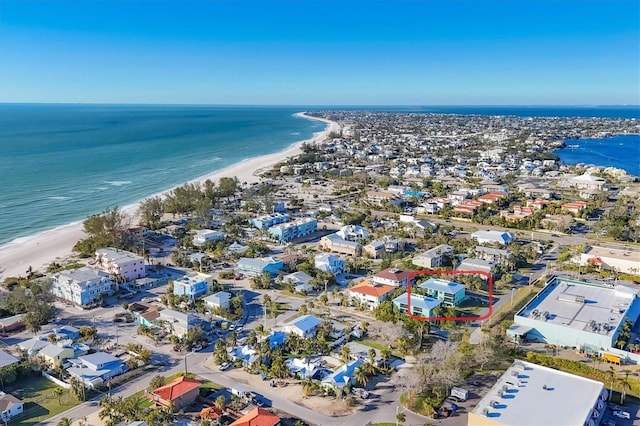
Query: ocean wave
[[59, 198], [295, 133], [117, 182]]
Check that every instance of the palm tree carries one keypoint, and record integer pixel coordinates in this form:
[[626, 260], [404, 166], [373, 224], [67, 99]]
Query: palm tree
[[65, 421], [385, 353], [611, 373], [58, 393], [345, 354], [361, 376], [308, 386], [372, 356], [625, 385]]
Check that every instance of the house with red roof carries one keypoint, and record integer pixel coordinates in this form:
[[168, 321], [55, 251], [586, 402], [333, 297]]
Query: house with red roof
[[392, 276], [370, 293], [492, 197], [258, 417], [177, 394]]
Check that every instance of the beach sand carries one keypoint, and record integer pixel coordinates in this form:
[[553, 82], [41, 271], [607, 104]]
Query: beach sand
[[57, 244]]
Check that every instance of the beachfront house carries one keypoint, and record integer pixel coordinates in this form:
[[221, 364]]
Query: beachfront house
[[193, 286], [120, 264], [448, 292], [252, 267], [81, 286]]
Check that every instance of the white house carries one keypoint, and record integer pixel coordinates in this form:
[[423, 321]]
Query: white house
[[220, 299], [370, 293], [330, 263], [502, 238], [433, 258], [10, 406], [121, 263], [392, 276], [204, 236], [353, 233], [304, 326], [300, 280], [81, 286]]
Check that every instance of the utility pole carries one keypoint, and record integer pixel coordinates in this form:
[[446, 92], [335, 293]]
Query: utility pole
[[185, 364]]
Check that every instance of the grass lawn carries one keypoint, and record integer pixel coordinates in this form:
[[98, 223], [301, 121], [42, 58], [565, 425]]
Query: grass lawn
[[39, 401]]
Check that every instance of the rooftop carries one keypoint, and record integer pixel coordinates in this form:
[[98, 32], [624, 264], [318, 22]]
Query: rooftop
[[529, 394], [305, 322], [632, 256], [257, 417], [442, 285], [117, 255], [423, 302], [580, 305], [370, 289], [82, 274], [393, 274], [176, 388]]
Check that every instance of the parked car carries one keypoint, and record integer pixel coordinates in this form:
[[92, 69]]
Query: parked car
[[622, 415], [196, 348], [232, 327], [225, 366]]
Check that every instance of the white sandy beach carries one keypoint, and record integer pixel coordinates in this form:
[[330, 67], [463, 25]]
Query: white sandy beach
[[57, 244]]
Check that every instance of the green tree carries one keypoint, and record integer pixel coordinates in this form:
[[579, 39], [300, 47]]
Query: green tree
[[57, 392], [65, 421], [150, 212], [157, 381]]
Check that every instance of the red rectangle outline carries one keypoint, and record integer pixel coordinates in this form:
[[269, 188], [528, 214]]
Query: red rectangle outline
[[449, 272]]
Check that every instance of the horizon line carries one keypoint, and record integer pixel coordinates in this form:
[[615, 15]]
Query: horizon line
[[325, 105]]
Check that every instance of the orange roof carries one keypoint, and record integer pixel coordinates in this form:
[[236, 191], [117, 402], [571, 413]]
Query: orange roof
[[210, 413], [370, 289], [177, 388], [257, 417]]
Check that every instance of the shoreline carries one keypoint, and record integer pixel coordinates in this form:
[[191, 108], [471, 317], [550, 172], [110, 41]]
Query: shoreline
[[40, 249]]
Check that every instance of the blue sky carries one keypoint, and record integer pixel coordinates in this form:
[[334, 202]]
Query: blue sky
[[304, 52]]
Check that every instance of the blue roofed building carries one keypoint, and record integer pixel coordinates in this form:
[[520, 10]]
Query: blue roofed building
[[420, 305], [343, 376], [66, 332], [269, 220], [96, 368], [276, 338], [304, 326], [252, 267], [448, 292], [329, 263], [295, 229], [192, 286]]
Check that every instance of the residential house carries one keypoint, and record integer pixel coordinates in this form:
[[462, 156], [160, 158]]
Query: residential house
[[33, 345], [492, 197], [304, 326], [221, 299], [269, 220], [343, 376], [205, 236], [120, 263], [193, 286], [374, 249], [81, 286], [470, 264], [519, 213], [434, 257], [302, 367], [56, 354], [95, 368], [420, 305], [237, 248], [177, 394], [337, 244], [575, 207], [493, 255], [300, 280], [493, 237], [258, 417], [7, 359], [178, 323], [329, 263], [587, 181], [370, 293], [12, 323], [392, 276], [252, 267], [66, 332], [244, 353], [448, 292], [381, 197], [295, 229], [467, 206], [144, 313], [353, 233], [10, 406]]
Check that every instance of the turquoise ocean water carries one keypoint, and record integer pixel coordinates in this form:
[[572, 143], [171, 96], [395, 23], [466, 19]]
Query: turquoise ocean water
[[61, 163]]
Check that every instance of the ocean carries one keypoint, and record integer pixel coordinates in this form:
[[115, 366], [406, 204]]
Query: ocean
[[620, 151], [61, 163]]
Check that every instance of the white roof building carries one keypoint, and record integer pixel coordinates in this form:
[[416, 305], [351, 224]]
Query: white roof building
[[489, 237], [531, 395]]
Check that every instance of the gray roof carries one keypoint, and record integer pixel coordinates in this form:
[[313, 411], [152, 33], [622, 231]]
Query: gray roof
[[98, 358], [471, 264], [531, 395], [7, 359], [450, 287]]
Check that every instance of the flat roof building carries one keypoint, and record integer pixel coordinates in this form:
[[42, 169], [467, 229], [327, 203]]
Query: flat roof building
[[531, 395], [625, 261], [576, 314]]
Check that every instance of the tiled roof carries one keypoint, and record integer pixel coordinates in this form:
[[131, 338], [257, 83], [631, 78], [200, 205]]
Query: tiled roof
[[371, 289], [393, 274], [177, 388], [257, 417]]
